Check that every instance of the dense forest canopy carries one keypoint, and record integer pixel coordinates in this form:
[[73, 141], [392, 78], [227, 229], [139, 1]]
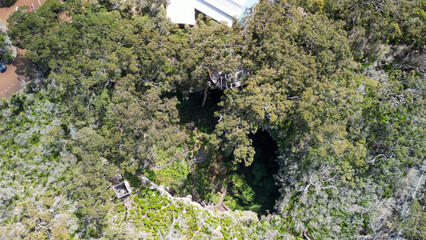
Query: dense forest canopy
[[320, 141]]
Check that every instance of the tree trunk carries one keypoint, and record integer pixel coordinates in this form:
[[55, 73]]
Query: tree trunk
[[206, 91], [305, 234]]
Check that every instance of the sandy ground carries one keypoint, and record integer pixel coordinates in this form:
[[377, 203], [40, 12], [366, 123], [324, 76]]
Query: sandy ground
[[63, 16], [12, 80]]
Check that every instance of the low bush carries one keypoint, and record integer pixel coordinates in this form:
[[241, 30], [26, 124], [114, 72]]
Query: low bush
[[9, 3], [9, 58], [2, 39]]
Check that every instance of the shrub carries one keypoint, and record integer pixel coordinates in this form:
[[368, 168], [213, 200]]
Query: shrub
[[9, 58], [9, 3], [2, 40]]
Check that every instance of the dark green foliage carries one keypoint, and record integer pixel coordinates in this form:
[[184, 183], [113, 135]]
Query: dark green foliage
[[9, 58], [9, 3], [89, 184], [192, 114], [309, 95], [261, 174], [337, 85]]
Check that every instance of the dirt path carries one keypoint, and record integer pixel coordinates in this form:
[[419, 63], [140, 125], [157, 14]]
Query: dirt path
[[415, 187], [12, 80], [220, 205]]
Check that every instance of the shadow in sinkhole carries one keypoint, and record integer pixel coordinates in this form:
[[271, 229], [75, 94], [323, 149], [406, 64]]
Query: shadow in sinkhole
[[193, 115], [260, 174]]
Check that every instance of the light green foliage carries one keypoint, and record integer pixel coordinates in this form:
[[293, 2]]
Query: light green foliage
[[33, 161], [156, 216], [242, 190], [346, 114], [173, 175]]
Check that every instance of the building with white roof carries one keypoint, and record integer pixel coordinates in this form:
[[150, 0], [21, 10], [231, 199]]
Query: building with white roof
[[183, 11]]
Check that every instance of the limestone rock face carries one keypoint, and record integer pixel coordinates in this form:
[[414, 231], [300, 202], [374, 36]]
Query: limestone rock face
[[8, 48], [11, 49], [2, 26]]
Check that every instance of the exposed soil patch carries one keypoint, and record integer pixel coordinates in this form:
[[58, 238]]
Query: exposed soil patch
[[64, 17], [13, 80]]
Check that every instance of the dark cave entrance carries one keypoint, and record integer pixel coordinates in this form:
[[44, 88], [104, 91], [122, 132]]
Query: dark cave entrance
[[192, 114], [260, 174]]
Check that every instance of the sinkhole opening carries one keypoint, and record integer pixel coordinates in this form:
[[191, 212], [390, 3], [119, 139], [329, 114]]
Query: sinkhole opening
[[193, 114], [246, 188], [260, 174]]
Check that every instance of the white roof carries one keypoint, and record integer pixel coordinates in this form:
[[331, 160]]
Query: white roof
[[183, 11], [233, 8]]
